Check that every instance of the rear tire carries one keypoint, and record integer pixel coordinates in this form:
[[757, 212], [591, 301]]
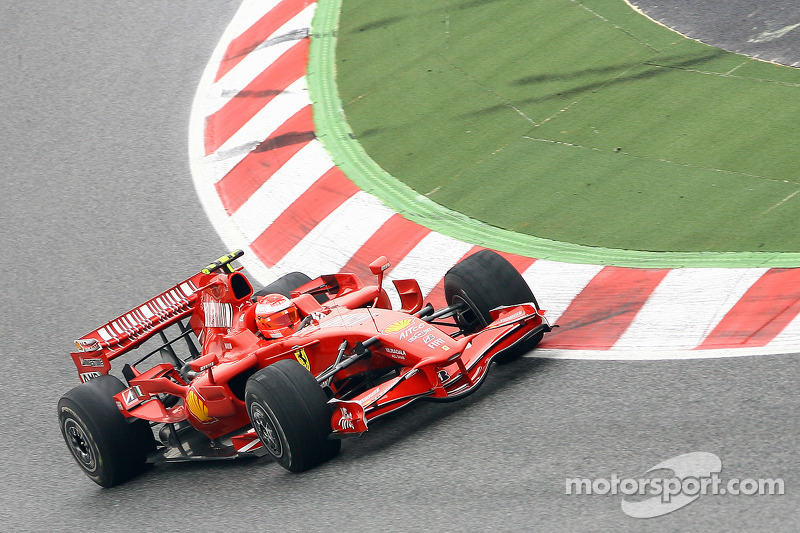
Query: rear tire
[[284, 285], [290, 412], [108, 448], [482, 282]]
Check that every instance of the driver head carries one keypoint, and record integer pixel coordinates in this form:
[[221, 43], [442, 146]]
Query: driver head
[[276, 316]]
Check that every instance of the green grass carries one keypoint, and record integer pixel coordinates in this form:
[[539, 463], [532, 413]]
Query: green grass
[[580, 122]]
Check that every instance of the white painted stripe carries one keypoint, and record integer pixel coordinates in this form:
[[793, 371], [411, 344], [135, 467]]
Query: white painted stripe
[[103, 332], [653, 355], [169, 299], [187, 289], [258, 128], [250, 12], [255, 443], [231, 84], [146, 311], [154, 310], [556, 284], [428, 262], [328, 247], [685, 307], [169, 304], [282, 189], [204, 173], [256, 62], [139, 316]]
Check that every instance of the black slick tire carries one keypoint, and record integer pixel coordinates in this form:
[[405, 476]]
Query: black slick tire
[[290, 412], [283, 285], [482, 282], [108, 448]]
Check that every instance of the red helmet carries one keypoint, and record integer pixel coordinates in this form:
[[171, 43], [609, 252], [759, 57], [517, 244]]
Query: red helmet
[[276, 316]]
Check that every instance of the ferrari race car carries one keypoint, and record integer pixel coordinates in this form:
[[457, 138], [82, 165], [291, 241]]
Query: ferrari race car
[[286, 371]]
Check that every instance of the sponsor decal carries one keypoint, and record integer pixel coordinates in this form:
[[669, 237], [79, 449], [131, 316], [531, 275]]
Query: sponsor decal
[[445, 347], [92, 361], [302, 358], [197, 406], [129, 397], [436, 343], [370, 398], [218, 315], [428, 338], [395, 353], [505, 320], [443, 375], [398, 325], [88, 345], [346, 419], [416, 334], [518, 314], [86, 376]]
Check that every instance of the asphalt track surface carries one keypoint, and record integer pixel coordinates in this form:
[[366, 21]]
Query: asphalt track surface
[[99, 214]]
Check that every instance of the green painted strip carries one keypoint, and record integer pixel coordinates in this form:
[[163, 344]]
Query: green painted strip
[[348, 154]]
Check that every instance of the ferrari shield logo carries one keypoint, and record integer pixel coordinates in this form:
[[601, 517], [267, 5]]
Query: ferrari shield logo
[[302, 358]]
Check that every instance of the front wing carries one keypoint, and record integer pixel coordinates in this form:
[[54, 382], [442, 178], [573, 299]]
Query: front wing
[[443, 378]]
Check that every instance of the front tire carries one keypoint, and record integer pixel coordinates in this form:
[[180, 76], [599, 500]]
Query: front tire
[[108, 448], [482, 282], [290, 413]]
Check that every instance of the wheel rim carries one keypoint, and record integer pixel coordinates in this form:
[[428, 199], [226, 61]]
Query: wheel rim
[[467, 317], [80, 445], [266, 429]]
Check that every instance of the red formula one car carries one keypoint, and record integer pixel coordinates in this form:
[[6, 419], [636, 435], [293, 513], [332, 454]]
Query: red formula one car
[[287, 371]]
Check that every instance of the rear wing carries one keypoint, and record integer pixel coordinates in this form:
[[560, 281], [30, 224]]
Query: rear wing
[[95, 350]]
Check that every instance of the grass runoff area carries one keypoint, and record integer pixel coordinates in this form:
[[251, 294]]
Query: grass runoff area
[[577, 121]]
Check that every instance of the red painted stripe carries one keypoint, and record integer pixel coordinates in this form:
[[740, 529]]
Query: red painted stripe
[[761, 313], [311, 208], [394, 239], [259, 32], [260, 164], [287, 69], [605, 308]]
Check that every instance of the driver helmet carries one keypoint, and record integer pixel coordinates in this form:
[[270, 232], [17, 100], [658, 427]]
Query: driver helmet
[[276, 316]]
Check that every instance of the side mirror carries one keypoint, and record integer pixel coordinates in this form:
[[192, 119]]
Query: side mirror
[[204, 362], [379, 265]]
